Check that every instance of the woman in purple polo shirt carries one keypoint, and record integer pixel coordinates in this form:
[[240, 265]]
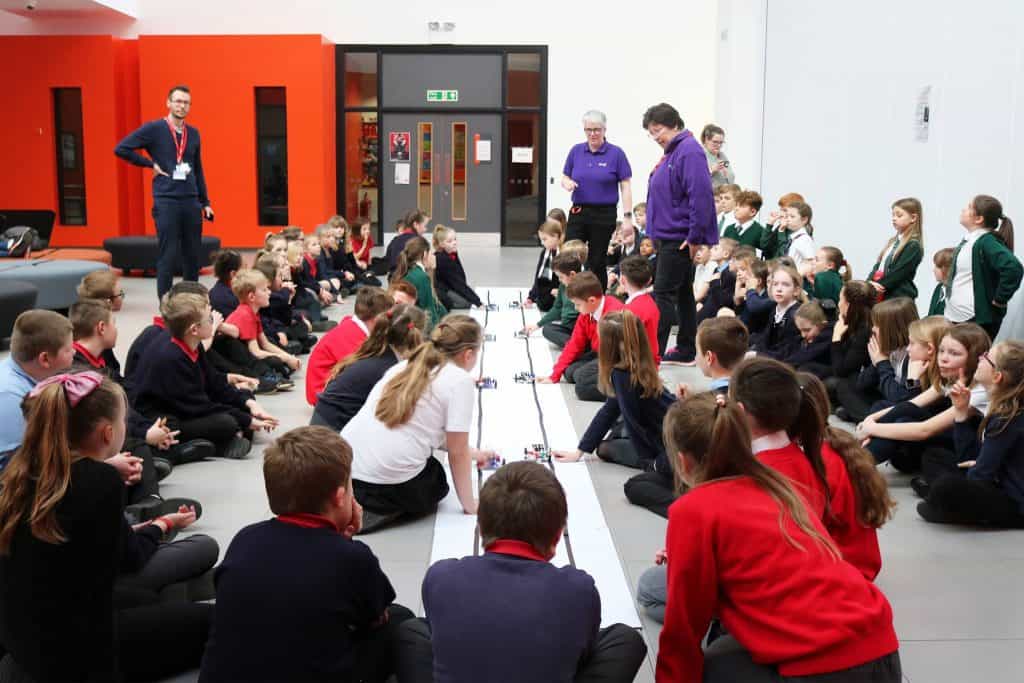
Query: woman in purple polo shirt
[[680, 219], [595, 172]]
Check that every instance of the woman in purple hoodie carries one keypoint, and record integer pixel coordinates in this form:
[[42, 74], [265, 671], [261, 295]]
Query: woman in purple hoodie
[[680, 219]]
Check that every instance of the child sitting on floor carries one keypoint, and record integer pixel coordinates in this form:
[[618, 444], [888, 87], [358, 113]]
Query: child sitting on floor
[[282, 324], [753, 303], [174, 381], [253, 292], [578, 360], [550, 234], [416, 265], [557, 324], [105, 285], [344, 339], [402, 292], [395, 333], [815, 337], [362, 244], [226, 264], [522, 517], [827, 275], [449, 275], [329, 617], [718, 291], [412, 225], [636, 284], [781, 335]]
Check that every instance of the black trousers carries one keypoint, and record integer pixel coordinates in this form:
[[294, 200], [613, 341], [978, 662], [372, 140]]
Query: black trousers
[[905, 456], [594, 225], [220, 428], [147, 485], [673, 292], [556, 333], [727, 661], [955, 499], [453, 300], [179, 571], [237, 354], [414, 498], [583, 374], [376, 651], [858, 403], [179, 232], [615, 657], [652, 490], [219, 362]]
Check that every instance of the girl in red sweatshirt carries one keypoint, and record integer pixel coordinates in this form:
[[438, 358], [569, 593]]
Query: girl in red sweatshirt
[[744, 546]]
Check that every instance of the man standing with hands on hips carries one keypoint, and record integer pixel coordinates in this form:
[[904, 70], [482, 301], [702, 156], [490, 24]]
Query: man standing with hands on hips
[[180, 201], [680, 219]]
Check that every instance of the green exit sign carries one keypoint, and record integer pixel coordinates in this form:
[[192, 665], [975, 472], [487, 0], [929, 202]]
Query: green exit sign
[[442, 96]]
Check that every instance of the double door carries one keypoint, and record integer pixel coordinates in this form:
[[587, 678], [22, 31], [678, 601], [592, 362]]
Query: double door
[[446, 165]]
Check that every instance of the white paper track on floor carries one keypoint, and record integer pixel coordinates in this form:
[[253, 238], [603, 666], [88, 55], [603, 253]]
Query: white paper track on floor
[[510, 423]]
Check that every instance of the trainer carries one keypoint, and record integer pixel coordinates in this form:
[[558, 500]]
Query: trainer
[[595, 172], [680, 219], [179, 188]]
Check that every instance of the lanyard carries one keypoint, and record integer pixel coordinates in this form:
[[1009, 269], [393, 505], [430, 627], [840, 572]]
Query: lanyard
[[179, 147]]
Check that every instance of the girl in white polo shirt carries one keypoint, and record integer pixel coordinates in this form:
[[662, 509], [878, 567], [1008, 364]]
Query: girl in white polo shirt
[[421, 404]]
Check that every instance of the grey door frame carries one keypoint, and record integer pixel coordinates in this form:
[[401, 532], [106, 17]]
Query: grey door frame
[[503, 111]]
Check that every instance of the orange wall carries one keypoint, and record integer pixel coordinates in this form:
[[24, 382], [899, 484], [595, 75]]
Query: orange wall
[[222, 72], [33, 65]]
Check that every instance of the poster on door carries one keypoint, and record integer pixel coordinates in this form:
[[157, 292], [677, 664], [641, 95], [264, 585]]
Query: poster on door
[[398, 143]]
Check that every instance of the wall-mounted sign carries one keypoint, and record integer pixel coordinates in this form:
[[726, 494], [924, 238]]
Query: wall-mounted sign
[[398, 145], [442, 96]]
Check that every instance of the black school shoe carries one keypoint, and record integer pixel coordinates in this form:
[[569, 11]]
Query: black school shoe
[[921, 486], [162, 466], [324, 325], [268, 383], [237, 449], [932, 514]]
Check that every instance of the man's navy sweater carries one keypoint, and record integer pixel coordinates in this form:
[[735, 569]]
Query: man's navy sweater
[[155, 138]]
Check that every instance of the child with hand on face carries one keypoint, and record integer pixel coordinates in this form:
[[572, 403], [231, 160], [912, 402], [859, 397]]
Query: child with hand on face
[[625, 242], [753, 303], [774, 239]]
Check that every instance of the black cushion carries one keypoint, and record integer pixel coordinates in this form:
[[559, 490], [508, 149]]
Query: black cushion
[[140, 252], [16, 297]]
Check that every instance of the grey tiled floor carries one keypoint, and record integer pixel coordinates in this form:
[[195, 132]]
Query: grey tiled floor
[[955, 593]]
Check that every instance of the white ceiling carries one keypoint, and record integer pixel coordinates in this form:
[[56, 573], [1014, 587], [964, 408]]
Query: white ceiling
[[70, 9]]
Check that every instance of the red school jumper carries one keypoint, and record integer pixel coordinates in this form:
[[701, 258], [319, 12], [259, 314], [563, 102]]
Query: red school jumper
[[802, 611], [646, 309], [584, 337], [332, 347]]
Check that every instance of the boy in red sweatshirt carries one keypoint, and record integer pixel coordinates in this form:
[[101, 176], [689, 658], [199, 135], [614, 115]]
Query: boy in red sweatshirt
[[636, 274], [344, 339], [578, 361]]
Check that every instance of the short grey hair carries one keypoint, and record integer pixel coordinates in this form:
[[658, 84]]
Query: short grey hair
[[595, 116]]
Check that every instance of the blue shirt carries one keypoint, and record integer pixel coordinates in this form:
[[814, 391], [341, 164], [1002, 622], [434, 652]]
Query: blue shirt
[[597, 174], [680, 201], [15, 384], [155, 138]]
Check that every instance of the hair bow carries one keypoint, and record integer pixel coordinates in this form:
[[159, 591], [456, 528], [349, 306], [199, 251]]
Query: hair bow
[[77, 385]]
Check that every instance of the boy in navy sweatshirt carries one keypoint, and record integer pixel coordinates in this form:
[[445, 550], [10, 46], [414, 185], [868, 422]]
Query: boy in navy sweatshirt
[[174, 381], [327, 618], [508, 595]]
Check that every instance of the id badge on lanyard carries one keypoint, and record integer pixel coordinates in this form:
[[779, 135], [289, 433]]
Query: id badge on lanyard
[[181, 169]]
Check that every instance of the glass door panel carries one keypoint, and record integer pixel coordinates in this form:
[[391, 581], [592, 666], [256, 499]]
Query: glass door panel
[[425, 168], [460, 153]]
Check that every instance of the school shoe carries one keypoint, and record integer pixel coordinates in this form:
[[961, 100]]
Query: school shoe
[[194, 451], [373, 521], [843, 414], [930, 513], [308, 343], [285, 384], [268, 383], [237, 449], [921, 486], [162, 466], [324, 325], [293, 347], [674, 357]]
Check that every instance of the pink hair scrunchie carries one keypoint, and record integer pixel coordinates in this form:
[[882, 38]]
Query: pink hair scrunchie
[[77, 385]]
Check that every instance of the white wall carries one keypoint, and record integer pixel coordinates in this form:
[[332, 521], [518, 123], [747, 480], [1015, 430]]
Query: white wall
[[841, 88], [602, 55]]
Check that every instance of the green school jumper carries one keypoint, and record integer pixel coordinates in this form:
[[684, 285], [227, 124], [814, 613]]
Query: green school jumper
[[425, 300], [562, 311], [996, 273], [827, 285], [898, 277], [750, 237]]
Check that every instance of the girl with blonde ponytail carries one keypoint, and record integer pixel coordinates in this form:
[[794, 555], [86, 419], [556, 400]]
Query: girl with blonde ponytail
[[64, 540], [421, 404], [744, 546]]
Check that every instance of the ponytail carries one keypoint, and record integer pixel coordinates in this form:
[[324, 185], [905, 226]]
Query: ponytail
[[39, 473], [991, 212], [777, 399], [454, 334], [400, 328], [874, 504], [712, 432], [413, 253]]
